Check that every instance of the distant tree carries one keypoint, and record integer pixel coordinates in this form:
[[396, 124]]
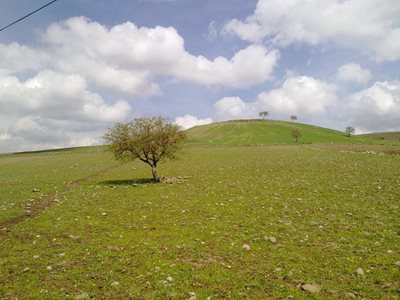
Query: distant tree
[[296, 134], [149, 139], [350, 130], [293, 118], [263, 114]]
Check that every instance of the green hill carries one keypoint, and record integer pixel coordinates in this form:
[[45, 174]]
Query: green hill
[[385, 137], [251, 132]]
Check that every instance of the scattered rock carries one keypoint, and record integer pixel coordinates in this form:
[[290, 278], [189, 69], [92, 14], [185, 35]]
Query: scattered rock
[[246, 247], [104, 214], [360, 272], [25, 270], [192, 296], [49, 268], [82, 296], [311, 288], [350, 295], [397, 263], [170, 279], [389, 251], [114, 283], [35, 190], [270, 238]]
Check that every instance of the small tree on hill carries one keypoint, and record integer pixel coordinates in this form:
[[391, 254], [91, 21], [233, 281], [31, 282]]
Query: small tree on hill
[[293, 118], [296, 134], [350, 130], [149, 139], [263, 114]]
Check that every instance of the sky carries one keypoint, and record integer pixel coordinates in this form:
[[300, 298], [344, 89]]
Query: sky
[[75, 68]]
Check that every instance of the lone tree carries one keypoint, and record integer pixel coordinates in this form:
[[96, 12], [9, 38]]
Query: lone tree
[[293, 118], [296, 134], [263, 114], [350, 130], [149, 139]]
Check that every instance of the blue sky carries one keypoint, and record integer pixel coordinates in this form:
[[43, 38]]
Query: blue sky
[[75, 68]]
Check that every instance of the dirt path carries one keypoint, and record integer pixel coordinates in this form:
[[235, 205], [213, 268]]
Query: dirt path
[[36, 208]]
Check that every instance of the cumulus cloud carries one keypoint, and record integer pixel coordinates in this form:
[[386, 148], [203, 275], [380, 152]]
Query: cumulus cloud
[[189, 121], [376, 108], [52, 109], [353, 73], [305, 96], [369, 26], [127, 58]]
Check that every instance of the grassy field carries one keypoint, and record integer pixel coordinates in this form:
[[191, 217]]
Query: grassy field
[[253, 132], [383, 137], [238, 222]]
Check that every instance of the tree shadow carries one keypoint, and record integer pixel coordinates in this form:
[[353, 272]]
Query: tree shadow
[[131, 182]]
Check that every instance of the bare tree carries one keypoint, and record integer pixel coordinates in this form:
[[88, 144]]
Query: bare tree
[[263, 114], [296, 134], [350, 130], [293, 118], [149, 139]]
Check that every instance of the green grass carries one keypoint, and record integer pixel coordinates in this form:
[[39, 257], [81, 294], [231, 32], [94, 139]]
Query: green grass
[[253, 132], [383, 137], [330, 211]]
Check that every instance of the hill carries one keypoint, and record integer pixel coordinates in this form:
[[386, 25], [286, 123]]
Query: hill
[[253, 132], [389, 137]]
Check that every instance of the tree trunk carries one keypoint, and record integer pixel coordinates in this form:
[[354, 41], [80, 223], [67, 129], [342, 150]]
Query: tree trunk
[[154, 172]]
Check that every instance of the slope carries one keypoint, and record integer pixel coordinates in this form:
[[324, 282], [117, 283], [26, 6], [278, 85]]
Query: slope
[[251, 132]]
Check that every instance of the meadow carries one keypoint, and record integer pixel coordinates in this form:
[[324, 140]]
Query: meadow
[[283, 221]]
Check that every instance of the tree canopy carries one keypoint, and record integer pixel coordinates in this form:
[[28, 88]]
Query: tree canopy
[[149, 139]]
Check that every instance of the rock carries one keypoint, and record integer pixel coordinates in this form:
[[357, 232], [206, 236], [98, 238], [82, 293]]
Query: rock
[[351, 295], [192, 296], [114, 283], [360, 272], [82, 296], [397, 263], [270, 238], [311, 288], [104, 214], [25, 270], [390, 251], [170, 279], [49, 268], [35, 190], [246, 247]]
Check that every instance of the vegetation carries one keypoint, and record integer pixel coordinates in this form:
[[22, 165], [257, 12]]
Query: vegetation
[[263, 114], [238, 222], [384, 137], [254, 132], [349, 131], [151, 140], [293, 118], [296, 134]]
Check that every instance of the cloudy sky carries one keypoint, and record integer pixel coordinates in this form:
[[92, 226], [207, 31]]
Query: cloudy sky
[[75, 68]]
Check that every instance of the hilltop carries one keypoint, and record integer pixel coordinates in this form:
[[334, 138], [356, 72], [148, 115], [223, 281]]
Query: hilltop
[[253, 132]]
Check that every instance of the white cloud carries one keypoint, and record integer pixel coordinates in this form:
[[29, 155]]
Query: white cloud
[[252, 65], [127, 58], [376, 108], [353, 73], [52, 109], [306, 97], [189, 121], [15, 58], [369, 26]]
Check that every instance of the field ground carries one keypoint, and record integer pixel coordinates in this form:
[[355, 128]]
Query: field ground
[[251, 222]]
